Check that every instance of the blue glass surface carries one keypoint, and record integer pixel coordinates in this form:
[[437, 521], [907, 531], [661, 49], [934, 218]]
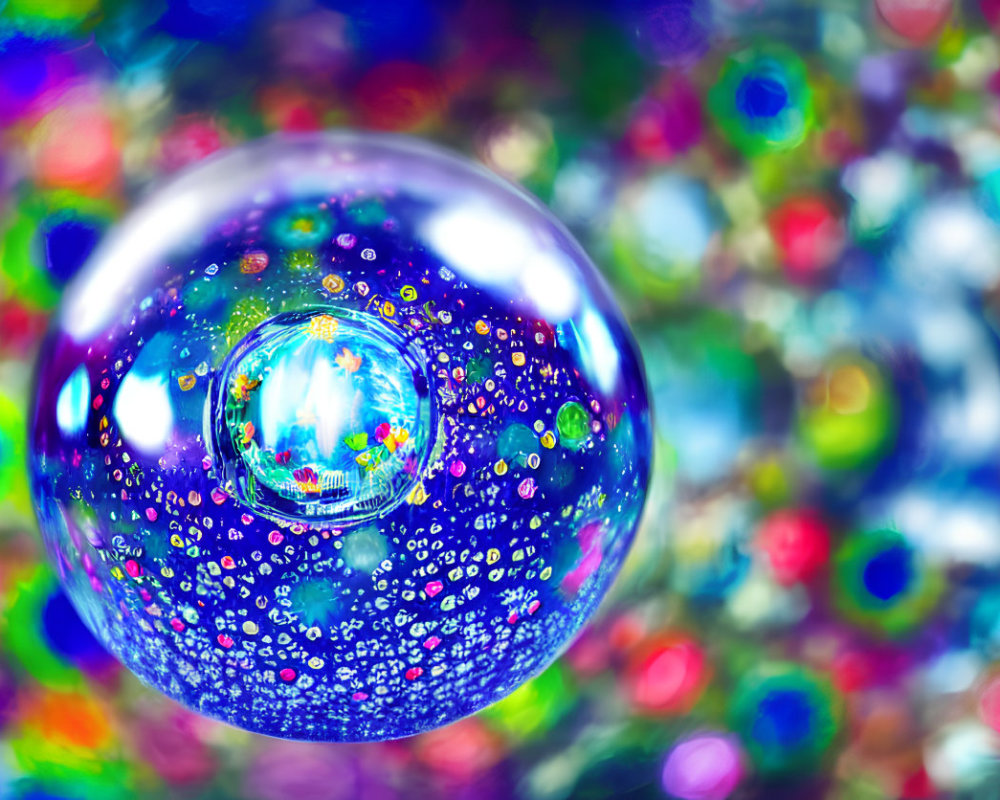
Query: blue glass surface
[[338, 437]]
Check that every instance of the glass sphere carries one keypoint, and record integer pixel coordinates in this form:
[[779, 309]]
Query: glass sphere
[[338, 437]]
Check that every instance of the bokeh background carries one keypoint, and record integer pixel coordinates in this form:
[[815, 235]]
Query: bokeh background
[[797, 204]]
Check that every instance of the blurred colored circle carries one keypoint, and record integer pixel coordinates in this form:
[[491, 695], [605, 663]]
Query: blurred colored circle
[[786, 716], [848, 415], [535, 707], [796, 543], [45, 634], [706, 766], [762, 100], [808, 234], [917, 21], [660, 232], [882, 584], [666, 675]]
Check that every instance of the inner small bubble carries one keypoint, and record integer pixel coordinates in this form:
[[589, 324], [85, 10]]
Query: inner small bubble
[[320, 414]]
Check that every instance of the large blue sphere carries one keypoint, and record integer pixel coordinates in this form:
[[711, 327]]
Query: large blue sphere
[[338, 437]]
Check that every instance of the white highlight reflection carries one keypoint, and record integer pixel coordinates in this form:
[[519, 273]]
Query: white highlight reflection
[[144, 413], [479, 242], [73, 403], [304, 389], [548, 287], [597, 351]]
